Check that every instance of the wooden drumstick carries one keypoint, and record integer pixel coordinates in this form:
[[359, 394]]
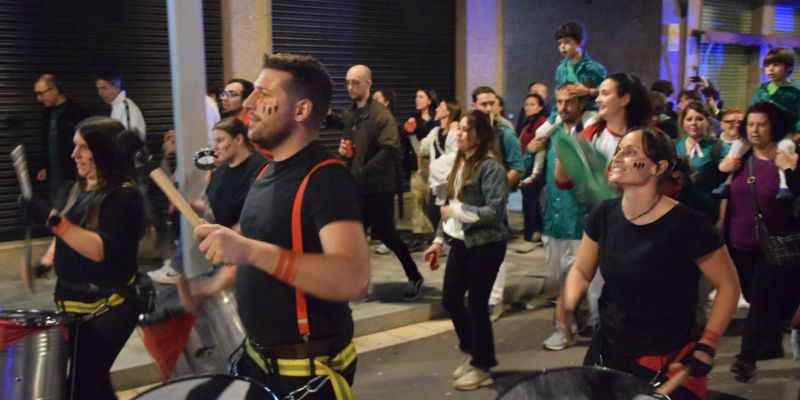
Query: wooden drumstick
[[673, 382], [165, 184]]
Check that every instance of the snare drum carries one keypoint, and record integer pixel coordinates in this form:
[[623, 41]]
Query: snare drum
[[209, 387], [34, 354], [580, 383]]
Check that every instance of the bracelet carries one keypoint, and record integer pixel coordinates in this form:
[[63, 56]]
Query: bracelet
[[61, 227], [286, 267], [711, 337]]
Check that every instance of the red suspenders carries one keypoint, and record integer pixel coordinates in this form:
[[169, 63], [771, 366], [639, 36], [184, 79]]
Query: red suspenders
[[297, 242]]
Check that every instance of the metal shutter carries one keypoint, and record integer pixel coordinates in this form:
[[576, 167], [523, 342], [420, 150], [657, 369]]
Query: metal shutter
[[74, 40], [728, 15], [727, 67], [408, 44]]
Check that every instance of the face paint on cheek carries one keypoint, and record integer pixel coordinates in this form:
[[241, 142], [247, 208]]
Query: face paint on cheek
[[638, 165]]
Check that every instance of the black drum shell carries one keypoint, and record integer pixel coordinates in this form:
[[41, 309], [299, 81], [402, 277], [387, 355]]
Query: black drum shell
[[579, 383]]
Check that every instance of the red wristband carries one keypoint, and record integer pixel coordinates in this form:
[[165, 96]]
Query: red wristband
[[63, 226], [710, 337], [563, 185], [286, 267]]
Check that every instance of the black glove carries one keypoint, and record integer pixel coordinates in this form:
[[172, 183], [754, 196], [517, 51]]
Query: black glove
[[33, 211], [698, 368]]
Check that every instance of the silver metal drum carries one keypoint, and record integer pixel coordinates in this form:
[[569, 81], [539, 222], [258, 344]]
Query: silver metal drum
[[34, 363], [209, 387], [216, 334]]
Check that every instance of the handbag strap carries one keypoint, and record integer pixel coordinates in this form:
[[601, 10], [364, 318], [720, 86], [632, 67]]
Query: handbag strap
[[751, 183]]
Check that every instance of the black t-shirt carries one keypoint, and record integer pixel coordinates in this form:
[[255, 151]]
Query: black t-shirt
[[267, 306], [650, 296], [229, 186], [120, 223]]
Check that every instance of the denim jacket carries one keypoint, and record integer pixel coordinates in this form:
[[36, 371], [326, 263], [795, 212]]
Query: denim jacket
[[487, 197]]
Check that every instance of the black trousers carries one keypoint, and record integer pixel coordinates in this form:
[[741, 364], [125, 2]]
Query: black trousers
[[472, 270], [283, 385], [378, 211], [773, 298], [531, 209], [97, 344], [434, 211]]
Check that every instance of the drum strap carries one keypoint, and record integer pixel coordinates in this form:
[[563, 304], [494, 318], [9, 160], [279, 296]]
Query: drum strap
[[303, 327], [329, 367]]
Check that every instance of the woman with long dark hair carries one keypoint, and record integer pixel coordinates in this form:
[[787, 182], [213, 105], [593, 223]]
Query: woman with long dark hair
[[97, 238], [472, 222], [652, 251]]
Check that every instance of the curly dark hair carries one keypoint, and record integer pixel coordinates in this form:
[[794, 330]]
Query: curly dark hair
[[778, 120], [573, 30]]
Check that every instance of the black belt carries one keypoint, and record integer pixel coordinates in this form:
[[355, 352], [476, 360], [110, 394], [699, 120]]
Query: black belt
[[324, 347]]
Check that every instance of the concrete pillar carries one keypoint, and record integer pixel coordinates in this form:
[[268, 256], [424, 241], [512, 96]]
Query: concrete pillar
[[188, 70], [246, 36], [480, 47]]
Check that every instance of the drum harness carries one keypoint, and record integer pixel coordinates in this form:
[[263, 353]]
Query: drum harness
[[139, 287], [303, 359]]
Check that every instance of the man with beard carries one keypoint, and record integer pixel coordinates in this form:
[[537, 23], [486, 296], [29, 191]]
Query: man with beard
[[302, 253]]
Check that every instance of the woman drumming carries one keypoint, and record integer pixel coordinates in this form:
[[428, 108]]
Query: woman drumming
[[654, 249], [773, 295], [473, 223], [97, 239]]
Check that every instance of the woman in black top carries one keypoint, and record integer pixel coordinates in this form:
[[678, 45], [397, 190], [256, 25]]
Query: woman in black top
[[653, 252], [97, 239], [238, 167]]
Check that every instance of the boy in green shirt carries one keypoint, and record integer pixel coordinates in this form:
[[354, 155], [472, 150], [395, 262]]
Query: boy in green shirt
[[578, 68]]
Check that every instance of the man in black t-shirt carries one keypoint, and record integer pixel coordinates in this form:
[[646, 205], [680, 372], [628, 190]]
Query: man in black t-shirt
[[296, 270]]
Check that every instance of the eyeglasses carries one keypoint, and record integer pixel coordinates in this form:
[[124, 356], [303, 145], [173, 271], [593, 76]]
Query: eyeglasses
[[42, 92], [228, 93], [732, 121]]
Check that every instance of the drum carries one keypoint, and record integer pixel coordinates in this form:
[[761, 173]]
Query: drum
[[209, 387], [34, 354], [217, 333], [580, 383]]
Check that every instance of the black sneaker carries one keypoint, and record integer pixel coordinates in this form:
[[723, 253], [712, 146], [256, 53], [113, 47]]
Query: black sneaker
[[744, 371], [413, 290]]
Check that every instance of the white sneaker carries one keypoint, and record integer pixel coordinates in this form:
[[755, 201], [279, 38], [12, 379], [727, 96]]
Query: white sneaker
[[463, 367], [165, 275], [382, 249], [496, 311], [473, 379], [557, 341], [742, 302]]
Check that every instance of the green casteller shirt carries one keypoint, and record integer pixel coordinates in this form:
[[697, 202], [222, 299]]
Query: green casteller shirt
[[587, 72], [563, 214], [705, 169], [786, 97]]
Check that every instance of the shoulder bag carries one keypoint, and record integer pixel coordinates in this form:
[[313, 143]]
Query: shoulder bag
[[781, 251]]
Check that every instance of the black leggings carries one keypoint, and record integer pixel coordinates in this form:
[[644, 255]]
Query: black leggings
[[531, 209], [379, 217], [472, 270], [99, 342]]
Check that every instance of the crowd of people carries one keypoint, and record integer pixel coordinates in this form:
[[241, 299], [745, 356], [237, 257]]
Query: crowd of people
[[643, 210]]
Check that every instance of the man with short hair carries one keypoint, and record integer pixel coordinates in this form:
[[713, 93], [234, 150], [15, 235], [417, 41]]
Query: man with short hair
[[371, 145], [302, 254], [563, 213], [123, 109], [61, 117], [484, 99], [233, 97]]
